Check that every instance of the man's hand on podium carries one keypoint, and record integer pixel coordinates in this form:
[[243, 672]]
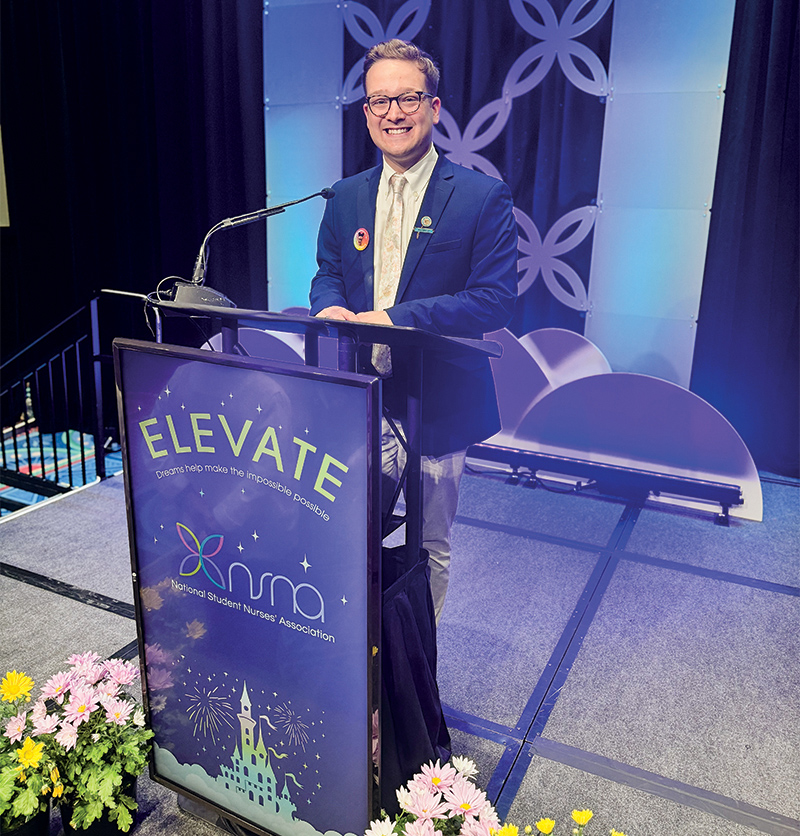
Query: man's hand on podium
[[374, 317], [338, 312]]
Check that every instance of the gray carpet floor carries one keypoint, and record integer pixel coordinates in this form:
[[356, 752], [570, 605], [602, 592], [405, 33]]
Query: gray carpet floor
[[639, 661]]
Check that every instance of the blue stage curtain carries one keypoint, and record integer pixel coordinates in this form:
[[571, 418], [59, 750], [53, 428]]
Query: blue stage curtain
[[746, 354], [129, 129]]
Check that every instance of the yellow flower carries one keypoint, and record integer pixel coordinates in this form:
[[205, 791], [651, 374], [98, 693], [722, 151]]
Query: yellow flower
[[508, 830], [581, 816], [58, 789], [528, 829], [30, 754], [16, 685], [545, 825], [616, 832], [54, 775]]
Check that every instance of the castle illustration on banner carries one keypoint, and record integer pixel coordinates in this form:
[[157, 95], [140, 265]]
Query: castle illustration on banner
[[251, 772]]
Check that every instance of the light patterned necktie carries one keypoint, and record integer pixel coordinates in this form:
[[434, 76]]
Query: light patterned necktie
[[391, 266]]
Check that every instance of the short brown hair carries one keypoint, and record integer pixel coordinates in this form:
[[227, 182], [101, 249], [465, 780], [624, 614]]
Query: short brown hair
[[404, 51]]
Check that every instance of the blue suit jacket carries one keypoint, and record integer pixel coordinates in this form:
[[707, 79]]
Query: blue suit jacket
[[460, 280]]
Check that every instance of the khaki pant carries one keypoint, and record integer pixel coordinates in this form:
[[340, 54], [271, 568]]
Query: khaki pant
[[441, 478]]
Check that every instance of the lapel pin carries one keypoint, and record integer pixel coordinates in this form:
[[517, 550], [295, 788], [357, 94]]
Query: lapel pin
[[361, 239], [426, 223]]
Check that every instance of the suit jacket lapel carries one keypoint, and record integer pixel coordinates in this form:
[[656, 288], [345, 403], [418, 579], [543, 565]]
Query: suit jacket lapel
[[365, 214], [440, 187]]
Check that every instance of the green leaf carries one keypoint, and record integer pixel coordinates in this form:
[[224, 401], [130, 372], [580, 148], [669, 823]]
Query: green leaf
[[8, 778], [25, 804]]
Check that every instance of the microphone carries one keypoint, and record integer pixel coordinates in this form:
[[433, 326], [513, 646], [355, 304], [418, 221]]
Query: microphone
[[198, 277]]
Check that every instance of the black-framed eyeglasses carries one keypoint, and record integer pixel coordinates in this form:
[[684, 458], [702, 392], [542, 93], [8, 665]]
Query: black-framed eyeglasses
[[407, 102]]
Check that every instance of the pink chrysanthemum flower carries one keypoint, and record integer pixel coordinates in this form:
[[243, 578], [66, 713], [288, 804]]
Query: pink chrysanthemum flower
[[464, 799], [91, 674], [67, 736], [57, 686], [488, 815], [82, 703], [426, 804], [435, 777], [476, 827], [38, 711], [80, 659], [107, 689], [122, 672], [420, 827], [15, 727], [45, 725], [118, 711]]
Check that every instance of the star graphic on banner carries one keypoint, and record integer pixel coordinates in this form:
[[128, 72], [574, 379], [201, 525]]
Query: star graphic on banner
[[254, 535], [306, 430], [304, 563], [201, 492], [222, 403], [259, 409], [230, 394], [183, 406], [240, 547], [167, 391], [344, 600], [155, 539], [139, 408]]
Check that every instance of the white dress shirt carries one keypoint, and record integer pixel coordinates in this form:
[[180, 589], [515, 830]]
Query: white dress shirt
[[417, 177]]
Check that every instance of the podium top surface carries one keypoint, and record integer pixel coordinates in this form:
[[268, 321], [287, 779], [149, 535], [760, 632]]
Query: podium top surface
[[391, 335]]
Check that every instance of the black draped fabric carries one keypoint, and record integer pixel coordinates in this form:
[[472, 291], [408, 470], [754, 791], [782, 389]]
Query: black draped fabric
[[413, 729], [129, 129], [746, 355]]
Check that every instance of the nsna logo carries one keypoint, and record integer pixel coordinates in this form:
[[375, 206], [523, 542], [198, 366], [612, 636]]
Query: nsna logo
[[201, 558], [204, 560]]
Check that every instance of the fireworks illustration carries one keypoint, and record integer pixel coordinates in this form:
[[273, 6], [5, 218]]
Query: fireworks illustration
[[292, 725], [209, 712]]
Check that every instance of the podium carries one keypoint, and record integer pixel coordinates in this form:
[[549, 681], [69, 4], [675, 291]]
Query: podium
[[289, 662]]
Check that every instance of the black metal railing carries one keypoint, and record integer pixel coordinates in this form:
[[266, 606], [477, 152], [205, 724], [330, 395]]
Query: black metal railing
[[51, 409]]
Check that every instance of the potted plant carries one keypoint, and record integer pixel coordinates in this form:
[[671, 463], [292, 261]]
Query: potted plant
[[29, 777], [98, 739], [443, 799]]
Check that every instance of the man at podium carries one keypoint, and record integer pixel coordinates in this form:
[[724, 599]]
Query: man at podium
[[419, 241]]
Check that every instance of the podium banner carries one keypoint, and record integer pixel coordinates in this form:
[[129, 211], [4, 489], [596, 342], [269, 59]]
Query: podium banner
[[255, 539]]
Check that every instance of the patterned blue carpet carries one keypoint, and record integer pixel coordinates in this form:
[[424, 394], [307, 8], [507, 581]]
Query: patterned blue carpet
[[67, 458]]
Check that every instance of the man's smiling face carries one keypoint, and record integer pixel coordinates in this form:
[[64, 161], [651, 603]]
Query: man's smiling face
[[404, 140]]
